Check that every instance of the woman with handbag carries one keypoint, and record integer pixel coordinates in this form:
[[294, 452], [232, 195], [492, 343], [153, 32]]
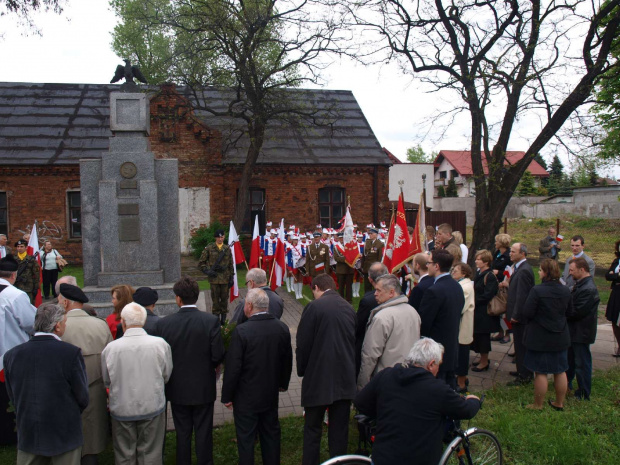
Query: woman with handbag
[[50, 266], [502, 260], [485, 288]]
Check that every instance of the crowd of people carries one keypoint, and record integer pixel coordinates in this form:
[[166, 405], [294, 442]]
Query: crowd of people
[[403, 357]]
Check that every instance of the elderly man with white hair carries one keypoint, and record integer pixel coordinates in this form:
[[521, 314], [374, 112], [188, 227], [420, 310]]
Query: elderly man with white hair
[[410, 406], [137, 403]]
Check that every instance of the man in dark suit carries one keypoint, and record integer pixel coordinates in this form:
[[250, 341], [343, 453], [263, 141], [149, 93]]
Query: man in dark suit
[[440, 311], [197, 349], [256, 278], [519, 286], [326, 360], [53, 373], [366, 306], [582, 323], [424, 282], [146, 297], [259, 362]]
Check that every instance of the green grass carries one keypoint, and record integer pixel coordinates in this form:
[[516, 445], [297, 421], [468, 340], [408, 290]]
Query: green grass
[[586, 433]]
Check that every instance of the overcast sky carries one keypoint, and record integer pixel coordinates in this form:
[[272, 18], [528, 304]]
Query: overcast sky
[[75, 48]]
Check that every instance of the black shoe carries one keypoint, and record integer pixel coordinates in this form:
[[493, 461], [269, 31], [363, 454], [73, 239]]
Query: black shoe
[[511, 354], [513, 373], [460, 390], [475, 364], [519, 382], [477, 369]]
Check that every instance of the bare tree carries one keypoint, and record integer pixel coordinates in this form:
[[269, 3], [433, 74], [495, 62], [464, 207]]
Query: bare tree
[[508, 61], [253, 49], [22, 9]]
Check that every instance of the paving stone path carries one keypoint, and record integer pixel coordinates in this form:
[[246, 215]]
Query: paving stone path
[[290, 401]]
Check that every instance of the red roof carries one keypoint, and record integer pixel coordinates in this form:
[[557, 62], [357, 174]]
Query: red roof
[[461, 161]]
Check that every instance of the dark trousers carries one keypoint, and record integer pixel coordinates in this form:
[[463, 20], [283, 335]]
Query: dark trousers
[[337, 431], [345, 286], [219, 296], [367, 286], [197, 419], [580, 365], [49, 281], [267, 425], [449, 376], [462, 363], [517, 331], [8, 436]]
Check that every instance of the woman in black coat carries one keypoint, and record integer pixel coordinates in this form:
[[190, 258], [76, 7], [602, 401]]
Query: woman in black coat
[[501, 260], [547, 336], [485, 288], [613, 306]]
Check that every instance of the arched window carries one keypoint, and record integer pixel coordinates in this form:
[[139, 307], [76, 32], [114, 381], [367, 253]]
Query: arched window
[[331, 206]]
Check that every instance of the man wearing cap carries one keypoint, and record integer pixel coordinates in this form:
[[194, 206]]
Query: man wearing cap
[[317, 257], [28, 272], [16, 321], [217, 263], [373, 252], [344, 272], [91, 335], [137, 403], [146, 297], [46, 382]]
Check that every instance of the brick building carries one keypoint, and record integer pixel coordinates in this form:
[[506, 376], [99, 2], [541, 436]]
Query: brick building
[[303, 174]]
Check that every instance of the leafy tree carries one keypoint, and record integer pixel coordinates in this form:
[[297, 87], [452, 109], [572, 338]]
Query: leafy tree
[[497, 58], [251, 49], [526, 185], [441, 192], [417, 155], [451, 190]]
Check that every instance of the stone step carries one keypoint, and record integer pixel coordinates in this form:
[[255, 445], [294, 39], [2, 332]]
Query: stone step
[[103, 295], [162, 308]]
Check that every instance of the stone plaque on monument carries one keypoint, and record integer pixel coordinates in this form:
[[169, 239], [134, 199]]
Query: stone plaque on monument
[[130, 227]]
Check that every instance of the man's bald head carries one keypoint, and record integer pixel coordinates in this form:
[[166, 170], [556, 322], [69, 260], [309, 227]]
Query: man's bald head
[[65, 280]]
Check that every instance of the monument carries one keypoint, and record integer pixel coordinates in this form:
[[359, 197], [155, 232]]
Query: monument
[[130, 217]]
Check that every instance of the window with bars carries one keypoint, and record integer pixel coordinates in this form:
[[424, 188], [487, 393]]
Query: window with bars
[[74, 203], [256, 201], [4, 214], [331, 206]]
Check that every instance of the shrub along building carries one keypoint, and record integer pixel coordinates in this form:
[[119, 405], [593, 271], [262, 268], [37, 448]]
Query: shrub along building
[[304, 174]]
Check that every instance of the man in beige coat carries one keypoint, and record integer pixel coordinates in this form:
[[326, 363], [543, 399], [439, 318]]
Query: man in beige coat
[[91, 335], [393, 328]]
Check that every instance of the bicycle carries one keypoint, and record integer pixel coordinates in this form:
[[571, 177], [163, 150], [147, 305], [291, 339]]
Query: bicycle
[[474, 446]]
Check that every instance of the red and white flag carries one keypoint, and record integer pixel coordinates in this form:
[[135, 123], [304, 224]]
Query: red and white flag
[[351, 249], [255, 250], [238, 257], [398, 248], [418, 238], [33, 249], [278, 270]]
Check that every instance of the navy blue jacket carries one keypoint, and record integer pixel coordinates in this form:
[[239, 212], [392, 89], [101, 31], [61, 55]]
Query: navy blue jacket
[[416, 294], [366, 305], [440, 311], [46, 381]]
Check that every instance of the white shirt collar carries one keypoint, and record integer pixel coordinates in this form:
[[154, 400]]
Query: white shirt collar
[[39, 333], [519, 264]]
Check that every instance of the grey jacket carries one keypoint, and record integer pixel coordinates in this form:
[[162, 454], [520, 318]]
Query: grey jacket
[[568, 279]]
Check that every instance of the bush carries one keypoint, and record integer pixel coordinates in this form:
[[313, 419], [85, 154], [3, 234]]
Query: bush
[[203, 237]]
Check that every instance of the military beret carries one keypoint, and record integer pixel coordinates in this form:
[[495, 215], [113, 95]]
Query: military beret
[[219, 233], [145, 296], [8, 263], [21, 242], [74, 293]]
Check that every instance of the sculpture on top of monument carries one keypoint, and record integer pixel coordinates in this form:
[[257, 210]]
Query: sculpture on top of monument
[[129, 73]]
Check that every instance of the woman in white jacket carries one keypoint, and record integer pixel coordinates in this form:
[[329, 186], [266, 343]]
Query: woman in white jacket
[[49, 269], [463, 273]]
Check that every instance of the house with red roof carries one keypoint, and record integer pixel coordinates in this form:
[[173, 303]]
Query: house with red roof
[[456, 164]]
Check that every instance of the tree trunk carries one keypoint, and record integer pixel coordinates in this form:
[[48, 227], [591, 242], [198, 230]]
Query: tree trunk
[[256, 131]]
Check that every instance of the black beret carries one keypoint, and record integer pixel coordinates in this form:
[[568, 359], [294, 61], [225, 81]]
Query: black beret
[[145, 296], [74, 293], [21, 242], [219, 233], [8, 263]]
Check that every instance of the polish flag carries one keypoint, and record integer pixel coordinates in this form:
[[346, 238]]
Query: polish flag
[[255, 250], [33, 249], [238, 257], [278, 269], [351, 249]]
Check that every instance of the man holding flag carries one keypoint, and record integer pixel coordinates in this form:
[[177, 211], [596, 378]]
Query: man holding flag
[[278, 267], [28, 269], [216, 262]]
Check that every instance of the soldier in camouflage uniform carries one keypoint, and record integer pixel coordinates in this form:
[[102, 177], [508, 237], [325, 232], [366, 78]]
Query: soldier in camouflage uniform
[[217, 263], [28, 272]]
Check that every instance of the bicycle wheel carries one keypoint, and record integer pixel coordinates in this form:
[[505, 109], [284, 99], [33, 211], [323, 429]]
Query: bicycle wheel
[[348, 460], [483, 448]]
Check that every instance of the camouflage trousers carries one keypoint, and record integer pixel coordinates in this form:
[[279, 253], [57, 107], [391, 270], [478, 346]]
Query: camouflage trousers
[[219, 296]]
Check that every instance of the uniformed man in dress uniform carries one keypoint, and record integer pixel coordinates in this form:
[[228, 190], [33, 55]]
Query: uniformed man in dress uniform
[[317, 257], [373, 252], [344, 273], [217, 263]]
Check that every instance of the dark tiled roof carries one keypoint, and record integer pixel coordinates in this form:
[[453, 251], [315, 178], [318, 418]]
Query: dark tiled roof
[[61, 123]]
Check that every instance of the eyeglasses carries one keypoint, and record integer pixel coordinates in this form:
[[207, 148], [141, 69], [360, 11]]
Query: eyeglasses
[[249, 281], [430, 263]]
